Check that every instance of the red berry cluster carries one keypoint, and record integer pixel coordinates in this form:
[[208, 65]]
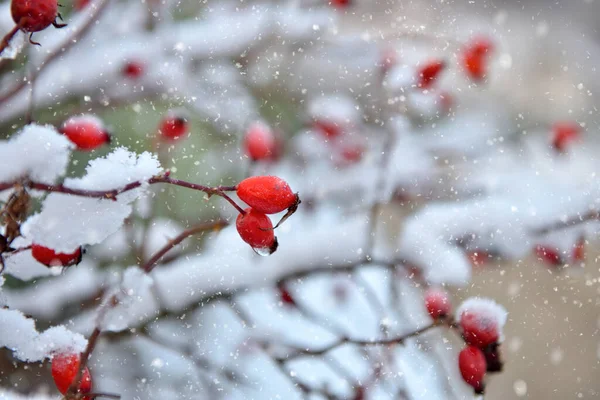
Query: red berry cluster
[[481, 331], [64, 370], [265, 195]]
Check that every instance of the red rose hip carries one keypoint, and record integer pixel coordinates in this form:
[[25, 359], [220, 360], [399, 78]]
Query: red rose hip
[[472, 365], [173, 127], [260, 142], [437, 303], [86, 132], [34, 15], [479, 329], [256, 229], [64, 371], [429, 72], [50, 258], [267, 194], [563, 134]]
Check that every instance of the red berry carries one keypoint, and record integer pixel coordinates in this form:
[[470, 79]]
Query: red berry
[[472, 365], [550, 256], [34, 15], [341, 3], [173, 127], [352, 154], [479, 329], [81, 4], [329, 129], [133, 69], [64, 370], [579, 250], [285, 296], [267, 194], [259, 142], [475, 58], [86, 132], [389, 58], [50, 258], [429, 72], [437, 303], [563, 134], [479, 258], [256, 229]]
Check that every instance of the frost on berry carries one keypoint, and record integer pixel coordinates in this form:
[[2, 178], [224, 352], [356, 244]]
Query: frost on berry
[[260, 142], [87, 132], [33, 16], [51, 258], [256, 229], [437, 303], [481, 321], [267, 194], [173, 126], [472, 366], [64, 370]]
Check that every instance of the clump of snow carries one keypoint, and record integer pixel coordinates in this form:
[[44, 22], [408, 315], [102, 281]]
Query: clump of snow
[[10, 395], [136, 302], [338, 109], [38, 152], [18, 333], [485, 307], [67, 222]]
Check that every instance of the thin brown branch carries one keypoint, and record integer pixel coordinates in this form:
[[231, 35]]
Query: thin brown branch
[[207, 226], [569, 222], [299, 352], [5, 43], [91, 345], [63, 48]]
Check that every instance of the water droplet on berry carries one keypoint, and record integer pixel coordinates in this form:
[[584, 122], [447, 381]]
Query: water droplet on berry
[[262, 251]]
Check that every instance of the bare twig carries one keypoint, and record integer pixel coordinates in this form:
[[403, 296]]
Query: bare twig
[[7, 38]]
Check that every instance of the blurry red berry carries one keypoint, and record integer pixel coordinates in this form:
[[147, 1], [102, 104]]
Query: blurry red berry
[[341, 3], [429, 72], [256, 229], [352, 154], [472, 365], [563, 134], [133, 69], [327, 128], [86, 132], [259, 142], [285, 296], [81, 4], [50, 258], [437, 303], [550, 256], [64, 370], [389, 58], [173, 127], [479, 258], [267, 194], [475, 58], [579, 250], [479, 329], [34, 15]]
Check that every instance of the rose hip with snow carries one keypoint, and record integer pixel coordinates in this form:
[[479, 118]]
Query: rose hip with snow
[[51, 258], [64, 370], [481, 321], [267, 194], [86, 131], [256, 229], [472, 366], [260, 142], [437, 303], [133, 69]]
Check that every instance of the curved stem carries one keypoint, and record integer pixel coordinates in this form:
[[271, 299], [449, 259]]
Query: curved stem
[[5, 43]]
